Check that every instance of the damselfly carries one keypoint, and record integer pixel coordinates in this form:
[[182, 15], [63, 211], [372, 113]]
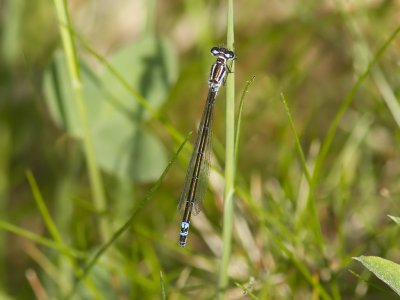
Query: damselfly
[[197, 173]]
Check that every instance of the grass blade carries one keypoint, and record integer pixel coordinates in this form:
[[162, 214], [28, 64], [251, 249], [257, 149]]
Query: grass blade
[[96, 182], [127, 224], [229, 163], [311, 199], [67, 251], [239, 118], [51, 226], [326, 145]]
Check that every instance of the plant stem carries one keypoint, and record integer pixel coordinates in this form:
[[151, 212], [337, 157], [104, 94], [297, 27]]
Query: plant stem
[[229, 163], [96, 183]]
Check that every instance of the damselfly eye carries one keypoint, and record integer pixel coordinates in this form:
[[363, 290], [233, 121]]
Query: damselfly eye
[[215, 51], [229, 55]]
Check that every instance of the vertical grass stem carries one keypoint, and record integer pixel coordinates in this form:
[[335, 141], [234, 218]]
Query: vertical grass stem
[[229, 163], [96, 183]]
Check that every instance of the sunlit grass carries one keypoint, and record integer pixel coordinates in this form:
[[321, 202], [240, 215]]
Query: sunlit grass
[[311, 176]]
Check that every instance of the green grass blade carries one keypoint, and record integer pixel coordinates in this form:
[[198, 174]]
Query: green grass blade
[[395, 219], [95, 178], [239, 118], [345, 105], [67, 251], [229, 163], [297, 140], [311, 199], [363, 55], [127, 224], [51, 226], [247, 291], [162, 284], [302, 268]]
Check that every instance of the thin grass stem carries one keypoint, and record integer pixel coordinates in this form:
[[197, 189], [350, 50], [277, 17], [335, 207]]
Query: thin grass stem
[[127, 224], [326, 145], [316, 226], [96, 182], [229, 164]]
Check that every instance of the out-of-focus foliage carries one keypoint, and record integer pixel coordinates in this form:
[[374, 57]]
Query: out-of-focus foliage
[[122, 146], [293, 239]]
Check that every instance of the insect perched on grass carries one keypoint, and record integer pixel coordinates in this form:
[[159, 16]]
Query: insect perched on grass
[[197, 174]]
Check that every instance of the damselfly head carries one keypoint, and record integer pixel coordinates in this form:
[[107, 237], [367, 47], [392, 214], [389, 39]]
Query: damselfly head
[[222, 52]]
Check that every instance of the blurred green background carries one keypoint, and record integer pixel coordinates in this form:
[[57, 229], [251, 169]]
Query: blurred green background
[[289, 242]]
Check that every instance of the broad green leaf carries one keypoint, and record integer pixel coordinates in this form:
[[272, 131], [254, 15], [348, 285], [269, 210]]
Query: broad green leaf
[[123, 145], [150, 66], [128, 151], [385, 270]]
